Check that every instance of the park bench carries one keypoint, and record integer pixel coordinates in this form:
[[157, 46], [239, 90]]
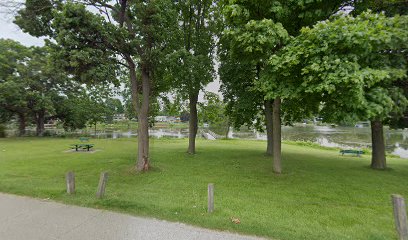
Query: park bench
[[83, 145], [351, 151]]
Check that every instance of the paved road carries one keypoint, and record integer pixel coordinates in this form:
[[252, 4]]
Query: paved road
[[24, 218]]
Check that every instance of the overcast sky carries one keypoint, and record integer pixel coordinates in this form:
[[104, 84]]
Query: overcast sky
[[9, 30]]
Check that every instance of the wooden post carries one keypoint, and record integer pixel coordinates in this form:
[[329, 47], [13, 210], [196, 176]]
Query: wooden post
[[102, 184], [70, 179], [210, 198], [400, 216]]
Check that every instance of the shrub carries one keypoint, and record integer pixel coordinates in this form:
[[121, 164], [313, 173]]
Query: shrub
[[2, 131]]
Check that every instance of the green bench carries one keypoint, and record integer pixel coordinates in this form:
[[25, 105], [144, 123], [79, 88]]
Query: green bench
[[353, 152]]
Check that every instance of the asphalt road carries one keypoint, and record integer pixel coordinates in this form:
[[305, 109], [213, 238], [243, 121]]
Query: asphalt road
[[24, 218]]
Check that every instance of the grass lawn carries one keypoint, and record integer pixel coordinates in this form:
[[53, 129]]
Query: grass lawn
[[320, 195]]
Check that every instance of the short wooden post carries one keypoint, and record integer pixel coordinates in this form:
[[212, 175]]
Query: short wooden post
[[400, 216], [102, 184], [210, 198], [70, 179]]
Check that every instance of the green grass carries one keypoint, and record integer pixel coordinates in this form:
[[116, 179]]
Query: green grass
[[320, 195]]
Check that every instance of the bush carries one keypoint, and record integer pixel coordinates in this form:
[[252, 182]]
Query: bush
[[2, 131]]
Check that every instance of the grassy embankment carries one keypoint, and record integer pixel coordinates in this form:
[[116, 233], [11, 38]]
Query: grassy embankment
[[320, 195]]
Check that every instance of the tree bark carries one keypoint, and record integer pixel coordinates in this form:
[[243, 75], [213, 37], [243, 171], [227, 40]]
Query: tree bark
[[269, 127], [22, 124], [193, 122], [40, 119], [228, 129], [143, 163], [142, 110], [378, 160], [277, 168]]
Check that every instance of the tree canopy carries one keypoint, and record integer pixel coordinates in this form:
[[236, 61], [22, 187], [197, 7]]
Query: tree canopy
[[353, 66], [254, 31], [96, 46]]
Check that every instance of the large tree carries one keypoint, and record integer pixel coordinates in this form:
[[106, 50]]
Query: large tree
[[192, 64], [12, 94], [96, 38], [355, 66], [28, 83], [255, 30], [42, 81]]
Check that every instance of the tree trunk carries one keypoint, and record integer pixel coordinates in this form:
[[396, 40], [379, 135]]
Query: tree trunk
[[193, 122], [40, 119], [269, 127], [142, 110], [22, 124], [277, 168], [143, 128], [378, 160], [228, 129]]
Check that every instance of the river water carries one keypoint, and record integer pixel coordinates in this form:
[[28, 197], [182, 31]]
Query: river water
[[342, 137], [396, 141]]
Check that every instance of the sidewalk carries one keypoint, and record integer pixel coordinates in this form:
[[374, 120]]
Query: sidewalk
[[24, 218]]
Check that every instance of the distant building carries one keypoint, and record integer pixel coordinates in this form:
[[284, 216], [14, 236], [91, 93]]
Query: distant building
[[168, 119], [119, 117], [161, 119]]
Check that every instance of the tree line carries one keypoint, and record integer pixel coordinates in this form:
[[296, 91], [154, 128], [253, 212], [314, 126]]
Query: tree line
[[278, 61], [33, 90]]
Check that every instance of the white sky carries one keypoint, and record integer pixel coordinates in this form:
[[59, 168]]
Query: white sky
[[9, 30]]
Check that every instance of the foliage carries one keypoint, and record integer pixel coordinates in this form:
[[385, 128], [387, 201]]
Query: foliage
[[12, 94], [212, 109], [83, 44], [173, 107], [2, 131], [113, 106], [76, 110], [389, 7], [133, 37], [243, 101], [351, 64], [256, 40], [32, 85], [30, 82], [36, 17], [191, 65], [254, 31]]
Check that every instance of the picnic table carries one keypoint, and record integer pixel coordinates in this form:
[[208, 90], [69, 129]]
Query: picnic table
[[351, 151], [83, 145]]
